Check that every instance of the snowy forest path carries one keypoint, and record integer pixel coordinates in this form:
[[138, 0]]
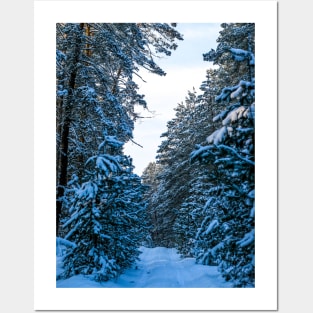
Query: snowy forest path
[[158, 267]]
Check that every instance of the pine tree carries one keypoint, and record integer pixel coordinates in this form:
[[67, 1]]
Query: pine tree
[[168, 208], [107, 222], [150, 182], [226, 235], [172, 179], [202, 177], [96, 92], [99, 198]]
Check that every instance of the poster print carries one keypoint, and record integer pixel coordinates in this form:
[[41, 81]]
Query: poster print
[[184, 218]]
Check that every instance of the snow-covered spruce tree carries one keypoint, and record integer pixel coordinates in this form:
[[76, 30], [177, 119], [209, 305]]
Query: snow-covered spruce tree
[[239, 35], [188, 219], [172, 177], [226, 235], [150, 182], [107, 222], [95, 90], [168, 201], [202, 177]]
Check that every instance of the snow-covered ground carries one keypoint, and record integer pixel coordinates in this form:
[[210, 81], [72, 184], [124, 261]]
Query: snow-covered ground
[[157, 268]]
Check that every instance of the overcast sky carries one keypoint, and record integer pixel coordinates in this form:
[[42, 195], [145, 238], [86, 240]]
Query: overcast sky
[[185, 69]]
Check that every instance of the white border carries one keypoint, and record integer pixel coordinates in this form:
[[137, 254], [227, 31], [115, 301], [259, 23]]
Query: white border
[[264, 295]]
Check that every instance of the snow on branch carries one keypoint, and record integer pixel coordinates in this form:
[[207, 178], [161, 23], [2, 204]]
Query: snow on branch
[[252, 212], [111, 141], [235, 115], [225, 94], [241, 55], [64, 242], [201, 152], [212, 225], [236, 92], [74, 217], [219, 135], [106, 163], [210, 253], [73, 230], [247, 239], [234, 152], [242, 88], [87, 191]]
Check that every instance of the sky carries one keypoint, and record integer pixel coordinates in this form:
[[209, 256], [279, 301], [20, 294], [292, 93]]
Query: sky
[[185, 70], [158, 267]]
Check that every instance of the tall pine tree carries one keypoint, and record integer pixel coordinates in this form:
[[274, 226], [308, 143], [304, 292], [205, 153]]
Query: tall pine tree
[[95, 87], [107, 222], [99, 199], [226, 235]]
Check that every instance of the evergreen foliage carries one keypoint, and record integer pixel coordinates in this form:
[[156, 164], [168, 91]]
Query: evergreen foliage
[[226, 235], [99, 203], [202, 201], [177, 190], [107, 220], [171, 178], [95, 87], [199, 194]]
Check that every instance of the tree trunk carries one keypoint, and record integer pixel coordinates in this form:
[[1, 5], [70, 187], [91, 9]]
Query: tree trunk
[[65, 131]]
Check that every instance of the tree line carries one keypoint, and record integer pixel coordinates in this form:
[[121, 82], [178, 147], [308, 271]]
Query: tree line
[[198, 196], [99, 205], [201, 196]]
